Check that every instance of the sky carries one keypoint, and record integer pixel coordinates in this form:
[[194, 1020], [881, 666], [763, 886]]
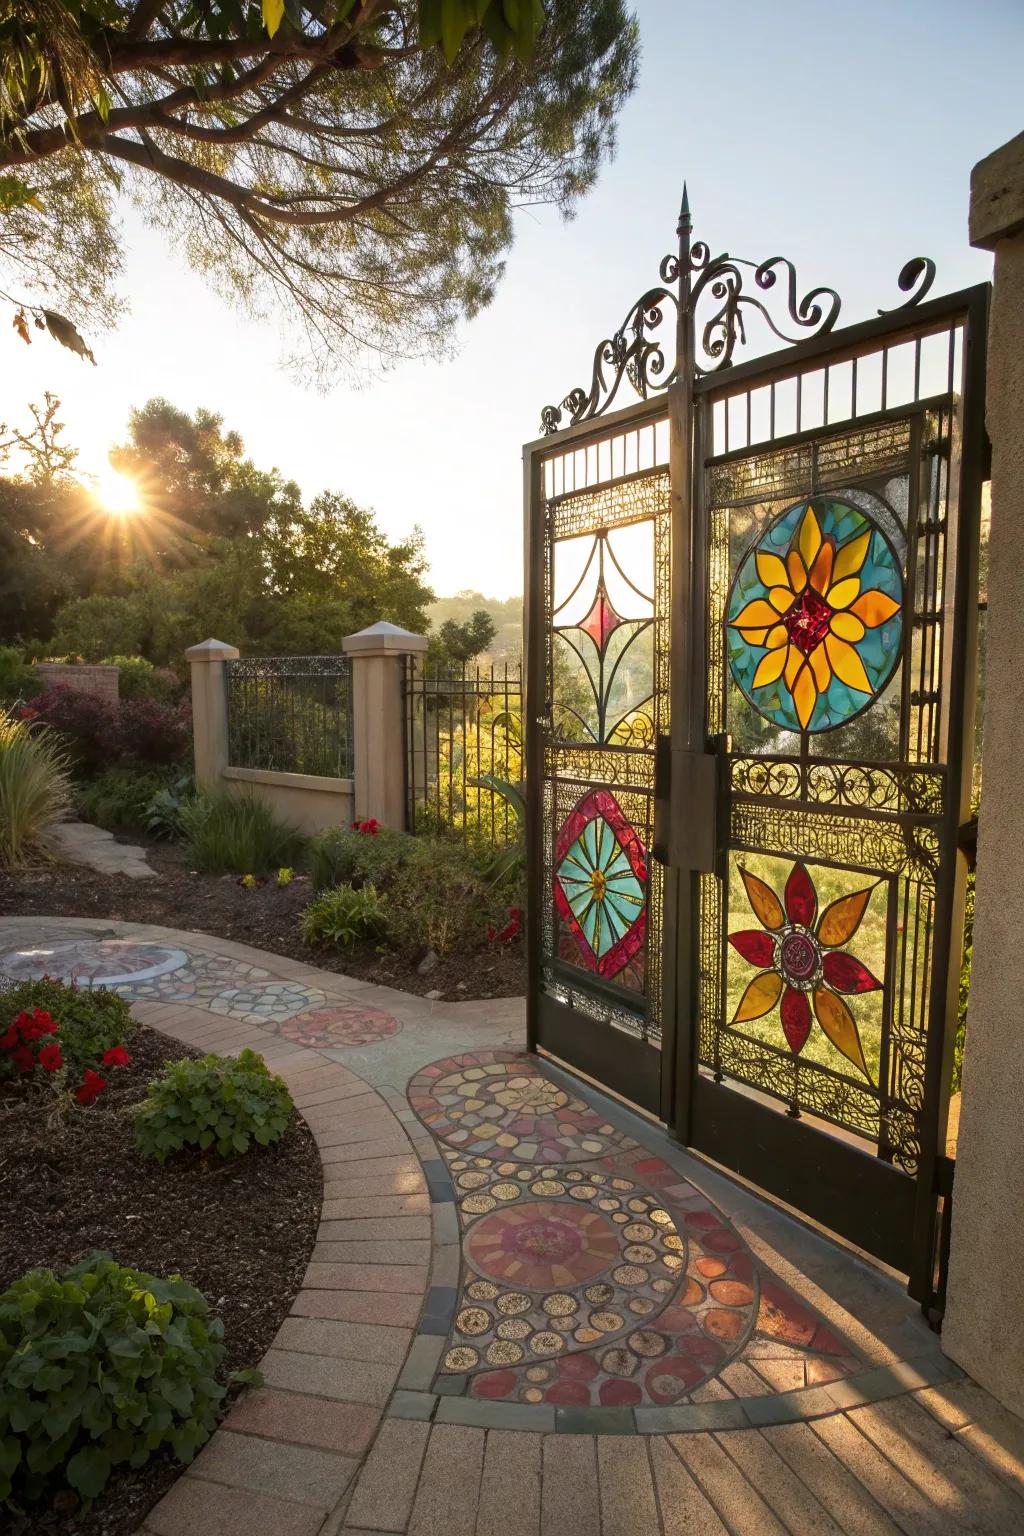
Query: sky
[[841, 137]]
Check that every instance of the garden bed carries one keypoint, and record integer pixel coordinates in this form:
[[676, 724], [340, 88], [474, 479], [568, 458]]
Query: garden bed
[[240, 1230], [266, 917]]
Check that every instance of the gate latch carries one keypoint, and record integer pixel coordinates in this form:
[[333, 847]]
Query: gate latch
[[685, 805]]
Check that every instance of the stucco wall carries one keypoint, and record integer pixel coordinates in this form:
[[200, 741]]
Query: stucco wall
[[984, 1324], [309, 802]]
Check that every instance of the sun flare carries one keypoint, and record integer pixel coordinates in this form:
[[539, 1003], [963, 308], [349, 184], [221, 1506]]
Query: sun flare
[[118, 492]]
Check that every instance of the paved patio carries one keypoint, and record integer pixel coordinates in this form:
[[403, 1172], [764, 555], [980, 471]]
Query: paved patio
[[527, 1311]]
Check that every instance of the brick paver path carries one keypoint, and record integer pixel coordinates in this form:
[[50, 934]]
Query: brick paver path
[[352, 1433]]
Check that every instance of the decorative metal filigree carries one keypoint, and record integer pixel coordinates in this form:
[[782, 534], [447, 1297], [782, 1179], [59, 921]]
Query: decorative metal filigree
[[724, 289], [632, 352]]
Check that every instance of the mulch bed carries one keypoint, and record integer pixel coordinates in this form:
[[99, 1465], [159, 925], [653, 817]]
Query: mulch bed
[[266, 917], [240, 1230]]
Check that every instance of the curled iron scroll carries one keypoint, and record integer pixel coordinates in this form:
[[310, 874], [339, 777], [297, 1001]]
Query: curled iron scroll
[[717, 284]]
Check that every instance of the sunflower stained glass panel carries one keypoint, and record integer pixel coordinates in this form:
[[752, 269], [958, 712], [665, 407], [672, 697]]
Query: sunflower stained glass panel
[[814, 621]]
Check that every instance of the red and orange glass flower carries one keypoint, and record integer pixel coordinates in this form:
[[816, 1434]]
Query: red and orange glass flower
[[802, 962]]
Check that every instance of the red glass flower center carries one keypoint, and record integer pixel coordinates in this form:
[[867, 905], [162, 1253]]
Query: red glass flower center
[[798, 956], [807, 621]]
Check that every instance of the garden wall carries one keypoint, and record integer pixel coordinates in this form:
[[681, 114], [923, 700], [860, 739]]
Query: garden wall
[[309, 801], [291, 713], [101, 680]]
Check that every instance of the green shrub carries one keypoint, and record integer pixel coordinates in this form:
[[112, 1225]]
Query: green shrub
[[139, 679], [237, 834], [221, 1102], [343, 857], [163, 813], [17, 679], [101, 1365], [92, 1020], [440, 900], [344, 916], [35, 787], [119, 798]]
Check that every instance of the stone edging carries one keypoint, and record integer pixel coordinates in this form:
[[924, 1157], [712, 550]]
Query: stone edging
[[332, 1367]]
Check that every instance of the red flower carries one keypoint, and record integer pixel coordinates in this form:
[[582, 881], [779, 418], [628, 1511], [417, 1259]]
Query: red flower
[[117, 1056], [9, 1040], [27, 713], [50, 1058], [371, 826], [92, 1086], [23, 1059]]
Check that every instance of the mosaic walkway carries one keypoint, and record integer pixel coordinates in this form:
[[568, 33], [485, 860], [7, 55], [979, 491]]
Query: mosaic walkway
[[592, 1275], [527, 1312], [150, 972]]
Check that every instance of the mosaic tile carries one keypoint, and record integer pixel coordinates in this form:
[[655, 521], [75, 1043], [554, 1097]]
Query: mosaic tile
[[339, 1024], [94, 963], [594, 1279], [498, 1104]]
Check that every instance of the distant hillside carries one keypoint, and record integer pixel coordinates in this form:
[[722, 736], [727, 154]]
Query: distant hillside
[[506, 613]]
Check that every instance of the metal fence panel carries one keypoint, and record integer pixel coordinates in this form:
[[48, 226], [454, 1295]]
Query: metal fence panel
[[461, 723], [291, 714]]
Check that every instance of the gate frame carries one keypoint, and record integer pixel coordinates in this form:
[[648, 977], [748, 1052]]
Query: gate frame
[[685, 396]]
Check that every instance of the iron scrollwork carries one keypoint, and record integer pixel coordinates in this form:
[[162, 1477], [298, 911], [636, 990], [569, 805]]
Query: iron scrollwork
[[637, 352], [633, 352]]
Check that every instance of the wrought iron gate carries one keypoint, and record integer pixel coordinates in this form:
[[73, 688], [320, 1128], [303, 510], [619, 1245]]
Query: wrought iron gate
[[750, 697]]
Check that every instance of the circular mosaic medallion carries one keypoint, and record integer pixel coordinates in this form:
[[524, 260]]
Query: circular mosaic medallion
[[540, 1244], [814, 625], [94, 962], [500, 1105], [269, 1002], [339, 1024]]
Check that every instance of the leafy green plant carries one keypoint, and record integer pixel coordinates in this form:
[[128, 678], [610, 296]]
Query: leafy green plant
[[35, 787], [92, 1020], [236, 834], [503, 862], [342, 856], [344, 916], [221, 1102], [101, 1365], [139, 679], [119, 798], [440, 900], [162, 817], [17, 679]]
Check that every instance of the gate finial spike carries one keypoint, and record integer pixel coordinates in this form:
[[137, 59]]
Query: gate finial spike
[[684, 212]]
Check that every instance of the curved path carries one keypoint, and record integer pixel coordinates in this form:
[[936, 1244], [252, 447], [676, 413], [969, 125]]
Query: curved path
[[527, 1312]]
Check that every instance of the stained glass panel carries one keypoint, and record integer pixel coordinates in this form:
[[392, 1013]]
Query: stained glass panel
[[607, 591], [603, 655], [814, 620]]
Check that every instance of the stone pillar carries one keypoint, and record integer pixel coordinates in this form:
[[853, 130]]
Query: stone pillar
[[210, 709], [984, 1324], [378, 656]]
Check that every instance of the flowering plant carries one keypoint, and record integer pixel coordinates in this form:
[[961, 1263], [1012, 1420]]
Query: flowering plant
[[370, 827], [19, 1041], [62, 1029], [510, 931]]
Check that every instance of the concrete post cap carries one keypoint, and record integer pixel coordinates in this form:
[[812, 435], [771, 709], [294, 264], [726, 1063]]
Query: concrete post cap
[[997, 195], [383, 639], [212, 650]]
